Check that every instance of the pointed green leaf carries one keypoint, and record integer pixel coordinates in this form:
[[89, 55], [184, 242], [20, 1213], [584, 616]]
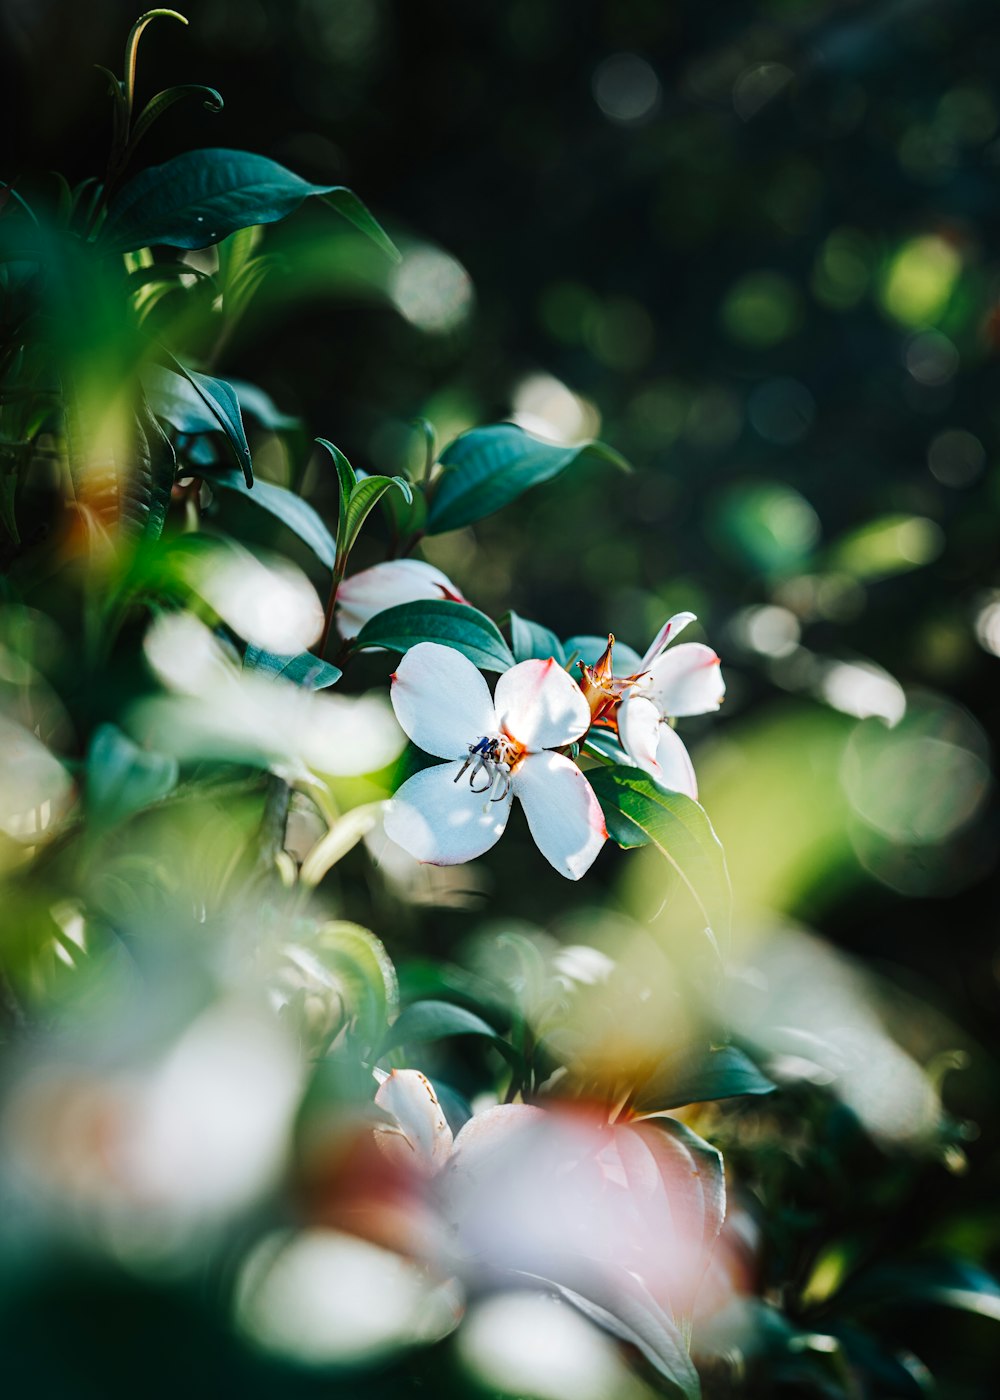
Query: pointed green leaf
[[285, 506], [438, 620], [347, 479], [489, 467], [433, 1020], [350, 207], [221, 401], [365, 496], [724, 1073], [638, 813], [201, 197]]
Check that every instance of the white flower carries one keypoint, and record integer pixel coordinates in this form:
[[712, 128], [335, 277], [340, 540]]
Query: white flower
[[387, 585], [668, 684], [500, 748]]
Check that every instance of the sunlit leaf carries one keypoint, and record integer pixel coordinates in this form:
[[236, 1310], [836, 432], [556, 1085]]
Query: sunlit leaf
[[438, 620], [638, 813]]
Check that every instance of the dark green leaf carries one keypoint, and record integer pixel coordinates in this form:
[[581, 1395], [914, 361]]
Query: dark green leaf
[[489, 467], [201, 197], [530, 641], [122, 778], [305, 669], [259, 405], [724, 1073], [439, 620], [285, 506], [638, 812], [433, 1020], [221, 401]]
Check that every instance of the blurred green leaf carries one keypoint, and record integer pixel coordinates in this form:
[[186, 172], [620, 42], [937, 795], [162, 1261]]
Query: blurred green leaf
[[438, 620], [200, 197], [122, 778], [487, 468], [638, 812], [290, 509], [305, 669]]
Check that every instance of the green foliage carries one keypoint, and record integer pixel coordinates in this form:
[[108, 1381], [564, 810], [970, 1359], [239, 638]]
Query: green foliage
[[638, 812], [486, 469], [451, 624], [201, 197]]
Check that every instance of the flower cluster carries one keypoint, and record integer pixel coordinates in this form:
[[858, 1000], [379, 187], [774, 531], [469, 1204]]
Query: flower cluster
[[522, 742]]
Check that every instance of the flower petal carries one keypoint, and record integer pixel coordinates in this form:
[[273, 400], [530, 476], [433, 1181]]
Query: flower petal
[[443, 822], [441, 700], [666, 634], [564, 816], [541, 706], [654, 747], [686, 681], [420, 1137], [385, 586]]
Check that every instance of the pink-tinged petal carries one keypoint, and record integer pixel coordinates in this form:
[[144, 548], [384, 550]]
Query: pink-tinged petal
[[667, 633], [443, 822], [385, 586], [686, 681], [442, 702], [420, 1136], [540, 706], [654, 747], [564, 816]]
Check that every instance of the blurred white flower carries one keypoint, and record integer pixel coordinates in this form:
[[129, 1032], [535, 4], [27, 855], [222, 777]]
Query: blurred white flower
[[219, 711], [269, 603]]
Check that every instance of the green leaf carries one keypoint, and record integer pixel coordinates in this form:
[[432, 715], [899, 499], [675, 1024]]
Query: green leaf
[[221, 401], [211, 100], [724, 1073], [122, 778], [305, 669], [363, 499], [257, 404], [285, 506], [489, 467], [438, 620], [201, 197], [638, 812], [942, 1281], [350, 207], [434, 1020], [530, 641], [347, 479]]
